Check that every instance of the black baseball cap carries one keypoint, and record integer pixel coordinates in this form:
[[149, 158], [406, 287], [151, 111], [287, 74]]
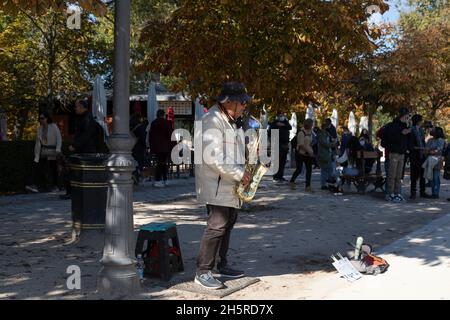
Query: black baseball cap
[[233, 91]]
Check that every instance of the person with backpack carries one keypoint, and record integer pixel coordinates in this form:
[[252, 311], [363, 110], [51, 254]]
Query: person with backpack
[[304, 154], [395, 141]]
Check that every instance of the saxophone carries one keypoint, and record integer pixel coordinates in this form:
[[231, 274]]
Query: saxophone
[[252, 164]]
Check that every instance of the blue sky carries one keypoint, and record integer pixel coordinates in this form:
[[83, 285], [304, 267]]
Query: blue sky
[[392, 16]]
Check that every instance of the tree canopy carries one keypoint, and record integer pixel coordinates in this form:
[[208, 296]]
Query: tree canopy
[[284, 51], [42, 60], [416, 74], [39, 7]]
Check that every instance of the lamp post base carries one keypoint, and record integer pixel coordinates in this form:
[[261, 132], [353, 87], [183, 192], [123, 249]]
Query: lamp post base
[[118, 281]]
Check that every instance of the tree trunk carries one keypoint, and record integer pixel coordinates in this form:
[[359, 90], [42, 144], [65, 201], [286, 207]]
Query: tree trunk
[[370, 122], [21, 123], [51, 42], [51, 70]]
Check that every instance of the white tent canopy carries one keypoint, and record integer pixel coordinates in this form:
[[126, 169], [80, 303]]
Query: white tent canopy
[[152, 102], [293, 123], [352, 123], [363, 124], [310, 112], [152, 108], [99, 103], [334, 118], [264, 118]]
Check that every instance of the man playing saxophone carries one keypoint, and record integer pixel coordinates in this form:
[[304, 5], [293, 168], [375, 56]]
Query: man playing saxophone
[[216, 177]]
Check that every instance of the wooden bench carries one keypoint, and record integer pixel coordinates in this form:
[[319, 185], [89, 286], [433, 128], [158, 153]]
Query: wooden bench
[[363, 180]]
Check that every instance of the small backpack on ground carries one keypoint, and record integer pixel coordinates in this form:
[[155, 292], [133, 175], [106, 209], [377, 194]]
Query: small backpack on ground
[[369, 263]]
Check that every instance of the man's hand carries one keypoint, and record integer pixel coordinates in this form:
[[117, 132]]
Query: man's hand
[[406, 131], [247, 178], [71, 148]]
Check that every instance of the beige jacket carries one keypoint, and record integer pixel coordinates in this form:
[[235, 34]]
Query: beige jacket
[[53, 139], [304, 143], [222, 166]]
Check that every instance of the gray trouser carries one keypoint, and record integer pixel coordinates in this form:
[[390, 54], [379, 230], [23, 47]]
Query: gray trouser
[[216, 238], [395, 172]]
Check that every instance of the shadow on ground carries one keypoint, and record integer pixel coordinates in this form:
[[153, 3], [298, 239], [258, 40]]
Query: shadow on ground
[[281, 232]]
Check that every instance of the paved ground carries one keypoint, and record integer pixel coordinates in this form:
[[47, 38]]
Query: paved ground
[[419, 269], [284, 237]]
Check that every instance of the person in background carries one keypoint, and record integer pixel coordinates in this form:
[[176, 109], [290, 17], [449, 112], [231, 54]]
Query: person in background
[[160, 138], [315, 146], [86, 130], [304, 154], [46, 149], [364, 132], [417, 157], [446, 156], [380, 138], [331, 129], [427, 128], [366, 145], [88, 138], [396, 143], [138, 130], [435, 149], [281, 123], [324, 155], [346, 135]]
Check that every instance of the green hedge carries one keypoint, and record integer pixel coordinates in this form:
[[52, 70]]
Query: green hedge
[[16, 159], [16, 163]]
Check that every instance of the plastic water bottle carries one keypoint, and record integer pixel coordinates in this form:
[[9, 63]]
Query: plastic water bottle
[[140, 267], [358, 246]]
